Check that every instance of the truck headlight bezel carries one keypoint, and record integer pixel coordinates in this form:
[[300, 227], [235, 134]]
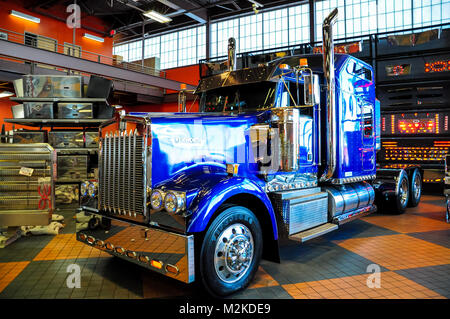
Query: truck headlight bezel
[[88, 189], [174, 202], [92, 189], [157, 194], [84, 189]]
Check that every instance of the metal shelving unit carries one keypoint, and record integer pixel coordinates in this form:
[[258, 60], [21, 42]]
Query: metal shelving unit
[[58, 122], [60, 99]]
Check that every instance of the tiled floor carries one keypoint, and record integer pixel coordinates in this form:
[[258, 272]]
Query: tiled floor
[[412, 252]]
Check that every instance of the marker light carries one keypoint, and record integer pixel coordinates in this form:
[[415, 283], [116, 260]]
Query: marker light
[[25, 16], [303, 62], [156, 264]]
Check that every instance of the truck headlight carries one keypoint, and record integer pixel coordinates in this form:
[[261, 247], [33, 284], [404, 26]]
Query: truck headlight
[[92, 189], [157, 199], [84, 189], [174, 202]]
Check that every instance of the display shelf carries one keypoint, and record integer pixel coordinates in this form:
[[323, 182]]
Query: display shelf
[[68, 151], [58, 122], [59, 99]]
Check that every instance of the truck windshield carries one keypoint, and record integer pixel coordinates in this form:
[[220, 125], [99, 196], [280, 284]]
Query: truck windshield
[[239, 98]]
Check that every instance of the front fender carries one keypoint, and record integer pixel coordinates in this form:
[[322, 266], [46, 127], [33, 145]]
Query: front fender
[[215, 192]]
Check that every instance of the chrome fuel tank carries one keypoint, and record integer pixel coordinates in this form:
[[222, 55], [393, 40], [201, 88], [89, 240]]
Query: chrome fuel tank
[[349, 197]]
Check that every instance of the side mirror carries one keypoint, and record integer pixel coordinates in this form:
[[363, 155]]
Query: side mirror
[[311, 89]]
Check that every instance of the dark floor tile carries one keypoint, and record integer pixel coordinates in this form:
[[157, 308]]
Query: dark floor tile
[[315, 261], [440, 237], [24, 248], [436, 278]]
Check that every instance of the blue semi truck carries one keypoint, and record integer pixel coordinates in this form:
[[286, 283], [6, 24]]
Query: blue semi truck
[[283, 151]]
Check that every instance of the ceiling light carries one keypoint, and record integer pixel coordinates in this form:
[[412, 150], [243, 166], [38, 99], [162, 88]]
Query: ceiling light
[[6, 94], [93, 37], [157, 16], [25, 16]]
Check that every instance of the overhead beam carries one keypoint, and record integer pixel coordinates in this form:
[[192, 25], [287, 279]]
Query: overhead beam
[[23, 52], [199, 14]]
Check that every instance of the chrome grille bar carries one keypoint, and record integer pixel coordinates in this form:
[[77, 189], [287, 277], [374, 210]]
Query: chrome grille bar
[[121, 176]]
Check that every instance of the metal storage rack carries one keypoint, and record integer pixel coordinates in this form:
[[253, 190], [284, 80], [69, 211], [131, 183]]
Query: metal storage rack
[[27, 194]]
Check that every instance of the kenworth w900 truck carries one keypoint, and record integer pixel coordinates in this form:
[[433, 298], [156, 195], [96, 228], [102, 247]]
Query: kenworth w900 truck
[[285, 150]]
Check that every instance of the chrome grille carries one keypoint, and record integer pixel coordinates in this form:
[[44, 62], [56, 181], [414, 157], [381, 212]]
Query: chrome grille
[[121, 173]]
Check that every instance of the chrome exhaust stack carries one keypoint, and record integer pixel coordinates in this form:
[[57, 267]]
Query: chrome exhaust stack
[[328, 68], [231, 54]]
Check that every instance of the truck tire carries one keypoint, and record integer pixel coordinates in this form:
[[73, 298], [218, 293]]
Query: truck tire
[[231, 251], [402, 197], [415, 188]]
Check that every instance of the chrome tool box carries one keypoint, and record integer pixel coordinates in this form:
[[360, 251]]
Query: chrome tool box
[[75, 111], [66, 139], [53, 86], [38, 110], [72, 167], [29, 137], [91, 139], [27, 174]]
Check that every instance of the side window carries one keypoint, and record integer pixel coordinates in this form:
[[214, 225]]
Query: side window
[[367, 114], [360, 71], [289, 94]]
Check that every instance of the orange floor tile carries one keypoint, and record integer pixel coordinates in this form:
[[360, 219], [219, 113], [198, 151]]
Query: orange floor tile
[[66, 246], [398, 251], [392, 286], [408, 223], [9, 271]]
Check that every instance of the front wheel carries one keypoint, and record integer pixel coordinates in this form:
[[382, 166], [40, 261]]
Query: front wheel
[[231, 251]]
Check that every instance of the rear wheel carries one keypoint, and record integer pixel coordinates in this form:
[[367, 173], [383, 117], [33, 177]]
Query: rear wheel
[[402, 196], [231, 251], [415, 187]]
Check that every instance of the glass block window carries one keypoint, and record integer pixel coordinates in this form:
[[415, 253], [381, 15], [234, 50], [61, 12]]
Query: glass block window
[[360, 17], [394, 15], [224, 31], [430, 12], [201, 43], [152, 46], [121, 50], [298, 24], [169, 50], [323, 8], [275, 26], [135, 51], [250, 32], [187, 47]]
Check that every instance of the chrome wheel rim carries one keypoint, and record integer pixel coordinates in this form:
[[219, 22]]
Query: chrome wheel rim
[[417, 186], [234, 253], [403, 192]]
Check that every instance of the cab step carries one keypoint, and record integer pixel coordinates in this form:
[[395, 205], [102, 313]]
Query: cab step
[[313, 232]]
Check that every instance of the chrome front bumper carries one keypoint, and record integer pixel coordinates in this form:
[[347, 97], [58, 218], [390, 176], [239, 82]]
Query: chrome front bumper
[[165, 252]]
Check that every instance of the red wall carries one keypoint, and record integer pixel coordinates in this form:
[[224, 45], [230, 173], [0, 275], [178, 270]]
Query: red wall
[[187, 74], [54, 29]]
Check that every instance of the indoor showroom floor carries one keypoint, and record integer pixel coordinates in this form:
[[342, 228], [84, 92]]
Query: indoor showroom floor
[[411, 250]]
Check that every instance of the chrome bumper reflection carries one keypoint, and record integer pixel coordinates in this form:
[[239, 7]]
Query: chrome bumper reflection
[[167, 253]]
